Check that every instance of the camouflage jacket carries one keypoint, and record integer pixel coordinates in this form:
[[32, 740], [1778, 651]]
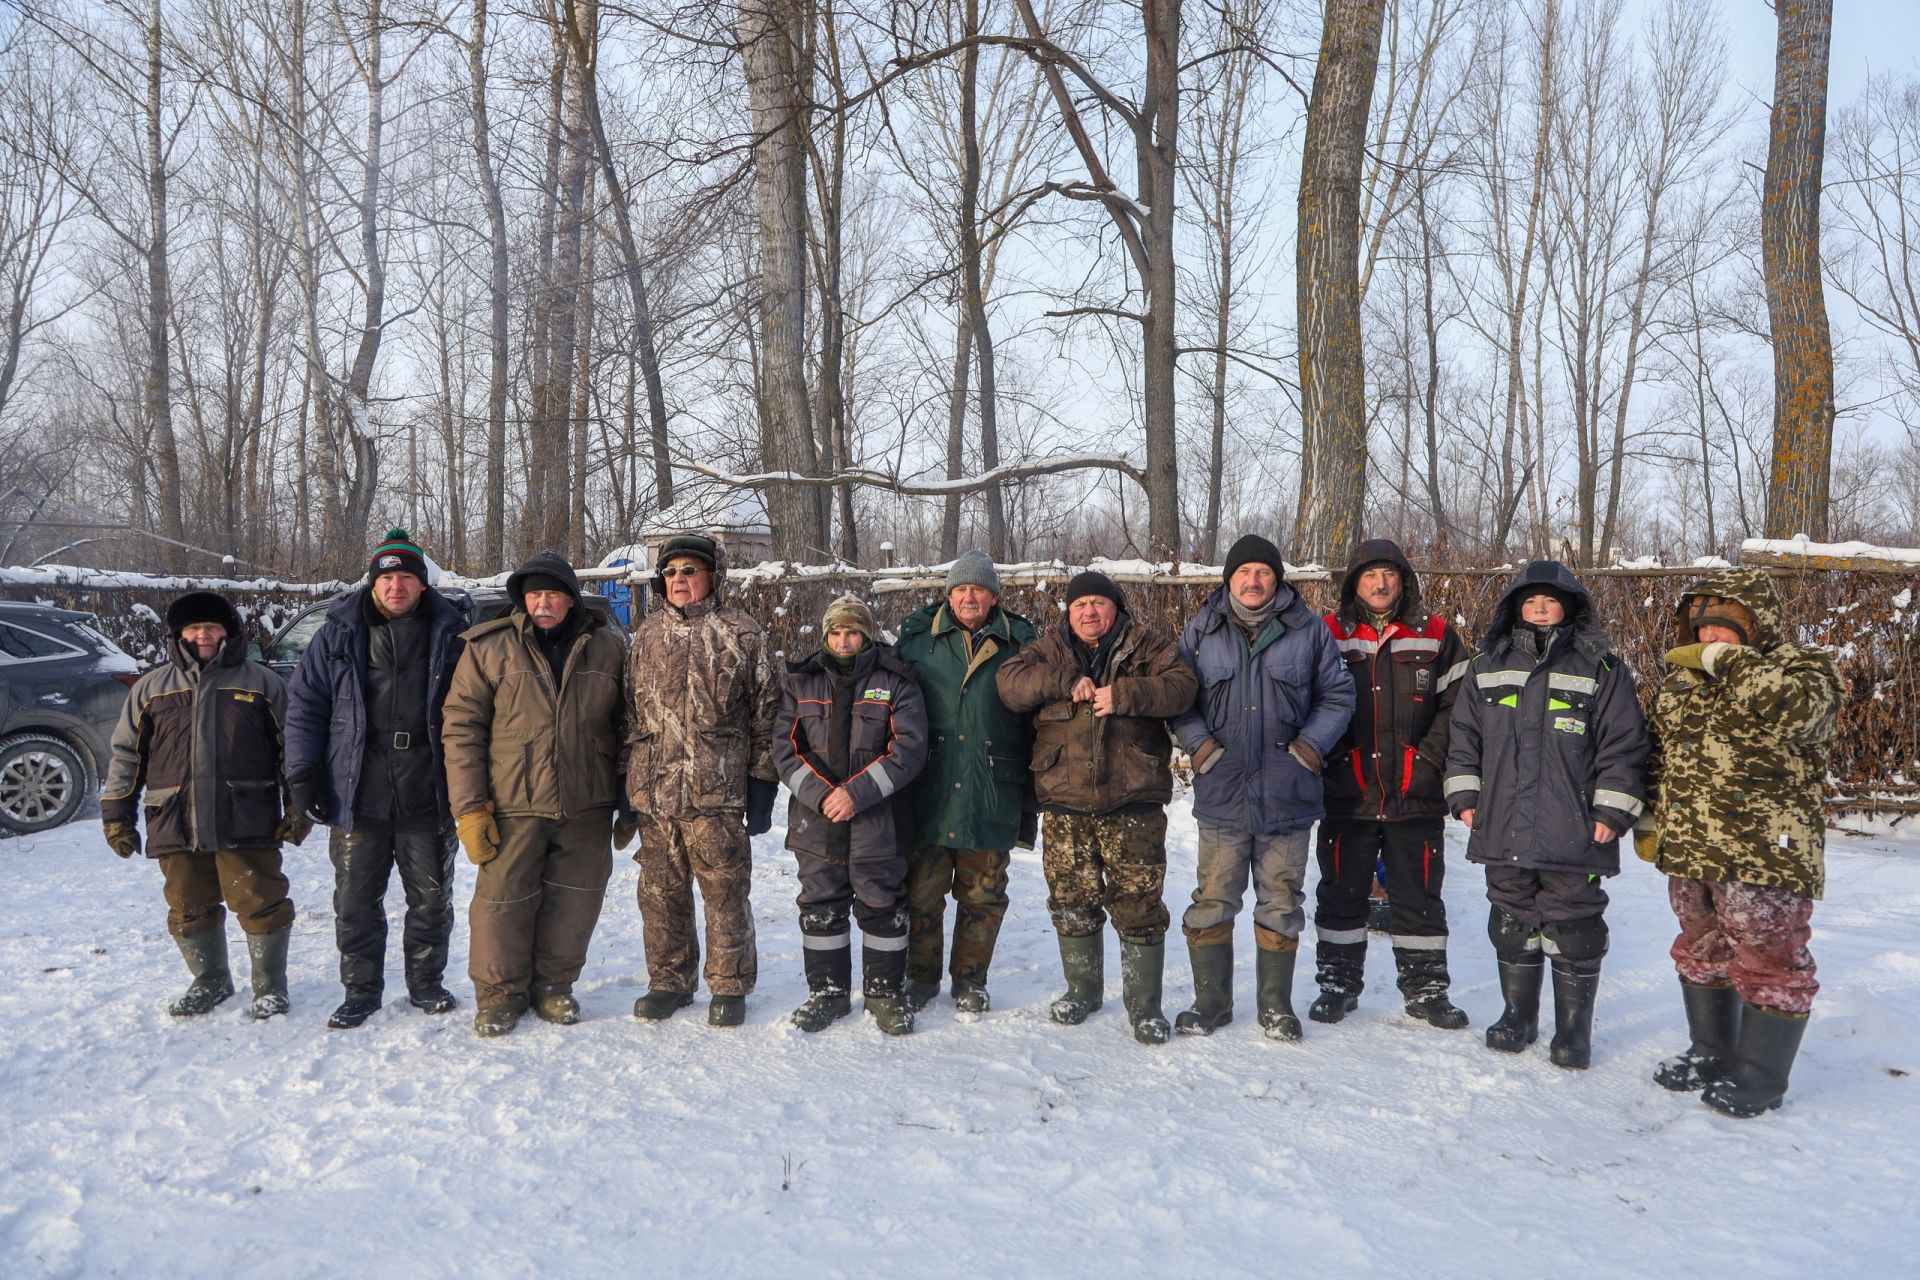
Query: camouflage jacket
[[704, 702], [1738, 756]]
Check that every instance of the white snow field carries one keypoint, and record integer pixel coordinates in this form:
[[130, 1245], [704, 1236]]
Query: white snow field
[[133, 1144]]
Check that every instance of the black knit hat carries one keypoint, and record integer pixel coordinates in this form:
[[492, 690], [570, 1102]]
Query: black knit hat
[[1253, 549], [1090, 583], [397, 553]]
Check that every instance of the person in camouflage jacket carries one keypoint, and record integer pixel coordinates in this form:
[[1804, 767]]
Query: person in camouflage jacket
[[1743, 726]]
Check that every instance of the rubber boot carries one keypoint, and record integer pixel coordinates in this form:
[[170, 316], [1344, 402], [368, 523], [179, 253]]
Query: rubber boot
[[1756, 1080], [829, 980], [359, 1005], [1273, 990], [432, 997], [495, 1020], [206, 957], [1340, 969], [883, 972], [726, 1011], [1713, 1026], [1083, 959], [267, 952], [1573, 992], [658, 1006], [922, 991], [557, 1007], [1423, 985], [969, 997], [1519, 1022], [1212, 989], [1142, 967]]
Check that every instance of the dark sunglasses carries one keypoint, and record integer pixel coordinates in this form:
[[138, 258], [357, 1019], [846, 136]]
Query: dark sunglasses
[[681, 571]]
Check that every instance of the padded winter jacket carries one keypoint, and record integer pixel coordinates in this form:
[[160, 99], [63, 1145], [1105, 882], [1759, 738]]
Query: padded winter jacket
[[1254, 699], [1083, 763], [974, 789], [205, 745], [1387, 767], [866, 730], [326, 700], [1546, 744]]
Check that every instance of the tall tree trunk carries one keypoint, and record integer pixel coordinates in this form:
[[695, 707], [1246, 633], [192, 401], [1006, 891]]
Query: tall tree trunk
[[956, 434], [1160, 109], [539, 390], [582, 394], [159, 397], [972, 288], [1790, 256], [362, 481], [1333, 413], [549, 521], [493, 539]]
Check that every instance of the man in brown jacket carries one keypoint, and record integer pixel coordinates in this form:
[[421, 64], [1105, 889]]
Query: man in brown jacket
[[700, 774], [1102, 688], [533, 727]]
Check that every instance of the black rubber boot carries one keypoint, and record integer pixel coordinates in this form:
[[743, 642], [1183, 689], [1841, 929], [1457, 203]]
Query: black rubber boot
[[431, 996], [1423, 985], [829, 983], [495, 1020], [883, 972], [1713, 1026], [1273, 992], [206, 957], [1212, 990], [1083, 959], [1519, 1022], [1142, 967], [968, 997], [658, 1006], [1573, 992], [355, 1009], [726, 1011], [267, 952], [1756, 1080], [1340, 970], [922, 991]]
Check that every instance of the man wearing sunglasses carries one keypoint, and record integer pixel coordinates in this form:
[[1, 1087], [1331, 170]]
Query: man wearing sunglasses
[[700, 774]]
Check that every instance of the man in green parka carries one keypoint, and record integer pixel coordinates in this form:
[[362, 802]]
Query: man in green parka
[[971, 801]]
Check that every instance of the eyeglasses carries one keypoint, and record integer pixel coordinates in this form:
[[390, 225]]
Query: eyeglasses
[[681, 571]]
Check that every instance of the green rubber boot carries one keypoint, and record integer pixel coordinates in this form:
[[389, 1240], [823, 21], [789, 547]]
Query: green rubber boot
[[1083, 959], [268, 954], [1212, 990], [206, 957], [1142, 965]]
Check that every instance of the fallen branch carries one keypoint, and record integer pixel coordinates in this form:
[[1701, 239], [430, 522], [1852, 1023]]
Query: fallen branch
[[929, 488]]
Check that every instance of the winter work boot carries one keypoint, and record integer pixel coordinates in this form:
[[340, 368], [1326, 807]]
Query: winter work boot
[[658, 1006], [1142, 966], [1519, 1023], [1212, 989], [1573, 992], [883, 972], [1756, 1079], [1273, 992], [829, 964], [893, 1014], [1340, 969], [268, 954], [1423, 984], [206, 957], [495, 1020], [359, 1005], [1083, 959], [969, 997], [921, 991], [557, 1007], [726, 1011], [432, 997], [1713, 1023]]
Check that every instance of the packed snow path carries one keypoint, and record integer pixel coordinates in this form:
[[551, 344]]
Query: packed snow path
[[132, 1144]]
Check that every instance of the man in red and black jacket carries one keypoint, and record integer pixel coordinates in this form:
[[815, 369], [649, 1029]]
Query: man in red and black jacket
[[1383, 789]]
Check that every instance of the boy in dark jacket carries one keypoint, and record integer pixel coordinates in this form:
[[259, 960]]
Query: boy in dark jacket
[[200, 734], [1546, 767], [850, 736]]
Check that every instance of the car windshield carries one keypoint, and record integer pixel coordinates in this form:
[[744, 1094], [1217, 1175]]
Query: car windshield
[[291, 643]]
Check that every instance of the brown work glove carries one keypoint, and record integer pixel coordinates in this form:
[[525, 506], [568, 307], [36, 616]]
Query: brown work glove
[[121, 838], [1207, 755], [293, 828], [479, 835], [1302, 750]]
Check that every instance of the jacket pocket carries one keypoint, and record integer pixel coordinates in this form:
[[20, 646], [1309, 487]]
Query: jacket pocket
[[640, 765], [717, 771], [250, 812], [166, 817], [872, 729]]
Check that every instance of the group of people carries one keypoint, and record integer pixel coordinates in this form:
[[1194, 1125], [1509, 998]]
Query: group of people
[[539, 744]]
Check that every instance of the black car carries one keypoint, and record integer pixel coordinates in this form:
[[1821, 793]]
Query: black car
[[62, 685], [482, 604]]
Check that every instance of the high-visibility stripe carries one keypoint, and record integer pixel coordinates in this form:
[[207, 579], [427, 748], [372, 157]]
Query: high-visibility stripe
[[1578, 684], [1340, 935], [1618, 800], [873, 943], [1463, 782], [797, 777], [1413, 646], [1409, 942], [1355, 644], [1500, 679], [882, 779], [826, 942], [1453, 673]]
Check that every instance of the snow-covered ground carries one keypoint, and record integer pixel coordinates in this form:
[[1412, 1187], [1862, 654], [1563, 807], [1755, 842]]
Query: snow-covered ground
[[132, 1144]]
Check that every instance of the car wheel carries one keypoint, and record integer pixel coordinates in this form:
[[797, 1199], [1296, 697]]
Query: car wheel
[[43, 781]]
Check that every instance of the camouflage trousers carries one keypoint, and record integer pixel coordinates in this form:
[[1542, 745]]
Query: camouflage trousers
[[250, 881], [977, 879], [713, 850], [1751, 935], [1107, 864], [535, 906]]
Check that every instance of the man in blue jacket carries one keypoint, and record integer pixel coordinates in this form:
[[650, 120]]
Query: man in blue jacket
[[364, 757], [1274, 698]]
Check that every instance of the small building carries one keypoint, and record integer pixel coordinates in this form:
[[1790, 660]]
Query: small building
[[735, 518]]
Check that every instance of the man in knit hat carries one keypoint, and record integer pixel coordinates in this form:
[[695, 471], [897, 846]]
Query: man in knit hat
[[1101, 689], [850, 738], [971, 804], [700, 774], [1273, 697], [364, 757]]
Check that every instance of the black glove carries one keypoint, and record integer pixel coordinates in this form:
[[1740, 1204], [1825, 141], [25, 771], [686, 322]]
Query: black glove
[[760, 798], [306, 795], [1029, 830]]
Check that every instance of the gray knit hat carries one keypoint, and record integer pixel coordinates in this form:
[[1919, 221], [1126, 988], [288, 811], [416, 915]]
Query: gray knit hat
[[974, 568]]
